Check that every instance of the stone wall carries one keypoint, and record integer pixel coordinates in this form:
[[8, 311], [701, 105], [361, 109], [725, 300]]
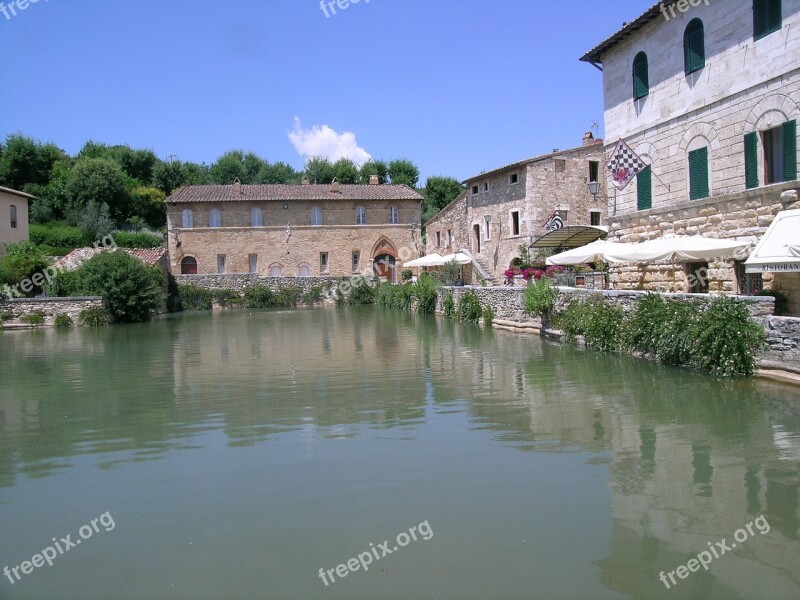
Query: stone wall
[[241, 282], [49, 307], [783, 338]]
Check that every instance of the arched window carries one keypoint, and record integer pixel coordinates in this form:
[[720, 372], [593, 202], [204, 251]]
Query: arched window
[[694, 46], [394, 215], [214, 218], [361, 216], [187, 221], [256, 217], [275, 270], [316, 216], [189, 266], [13, 214], [304, 271], [698, 174], [641, 77]]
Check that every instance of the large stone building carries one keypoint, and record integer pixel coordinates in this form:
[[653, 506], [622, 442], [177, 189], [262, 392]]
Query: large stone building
[[708, 94], [293, 230], [13, 217], [507, 207]]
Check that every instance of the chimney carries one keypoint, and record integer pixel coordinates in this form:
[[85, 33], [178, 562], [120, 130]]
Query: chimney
[[305, 181], [334, 186], [237, 187], [373, 180], [588, 139]]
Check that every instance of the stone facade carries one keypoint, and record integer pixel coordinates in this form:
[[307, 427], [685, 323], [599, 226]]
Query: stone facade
[[342, 244], [49, 307], [746, 86], [13, 217], [240, 282], [509, 206]]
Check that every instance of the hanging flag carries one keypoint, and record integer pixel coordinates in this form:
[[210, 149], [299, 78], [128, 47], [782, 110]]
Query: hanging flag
[[624, 165], [288, 232], [554, 222]]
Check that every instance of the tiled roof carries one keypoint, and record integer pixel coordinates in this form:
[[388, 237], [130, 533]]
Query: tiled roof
[[598, 143], [282, 192], [16, 192], [73, 260], [595, 55]]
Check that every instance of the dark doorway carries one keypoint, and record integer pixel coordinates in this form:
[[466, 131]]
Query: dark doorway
[[189, 266], [384, 266], [477, 231]]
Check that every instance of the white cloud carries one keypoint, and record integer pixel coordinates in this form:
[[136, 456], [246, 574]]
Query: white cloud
[[324, 141]]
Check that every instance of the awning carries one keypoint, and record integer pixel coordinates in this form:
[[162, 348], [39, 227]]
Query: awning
[[572, 236], [585, 254], [680, 248], [779, 249], [436, 260]]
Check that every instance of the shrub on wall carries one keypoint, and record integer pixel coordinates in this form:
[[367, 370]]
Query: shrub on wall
[[539, 298], [361, 293], [424, 291], [63, 321], [448, 306], [488, 316], [193, 297], [259, 296], [469, 308], [93, 317]]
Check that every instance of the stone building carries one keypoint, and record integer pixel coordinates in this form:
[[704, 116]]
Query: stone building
[[708, 94], [13, 217], [293, 230], [509, 206]]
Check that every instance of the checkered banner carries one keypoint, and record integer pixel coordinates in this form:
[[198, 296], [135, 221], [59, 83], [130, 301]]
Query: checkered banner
[[624, 165], [554, 222]]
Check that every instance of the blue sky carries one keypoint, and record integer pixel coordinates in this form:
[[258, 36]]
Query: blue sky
[[457, 86]]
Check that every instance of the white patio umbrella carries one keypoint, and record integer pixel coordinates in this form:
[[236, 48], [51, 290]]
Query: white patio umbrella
[[431, 260], [678, 248], [585, 254]]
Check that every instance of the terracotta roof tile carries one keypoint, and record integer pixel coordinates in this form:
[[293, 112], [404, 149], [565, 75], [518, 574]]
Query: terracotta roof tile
[[73, 260], [281, 192]]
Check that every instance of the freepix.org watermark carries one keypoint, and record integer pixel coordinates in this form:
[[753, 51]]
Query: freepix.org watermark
[[329, 6], [715, 550], [364, 559], [10, 10], [681, 5], [59, 547]]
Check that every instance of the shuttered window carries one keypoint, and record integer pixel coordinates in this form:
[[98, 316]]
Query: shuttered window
[[767, 17], [694, 46], [698, 173], [751, 160], [641, 77], [644, 189], [790, 151]]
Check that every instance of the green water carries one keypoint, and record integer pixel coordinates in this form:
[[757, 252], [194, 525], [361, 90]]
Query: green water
[[239, 453]]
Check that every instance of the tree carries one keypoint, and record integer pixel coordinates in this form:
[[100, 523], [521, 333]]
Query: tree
[[228, 167], [25, 161], [99, 180], [168, 176], [319, 170], [131, 289], [438, 193], [403, 172], [374, 167], [276, 173], [147, 203], [94, 220], [345, 171]]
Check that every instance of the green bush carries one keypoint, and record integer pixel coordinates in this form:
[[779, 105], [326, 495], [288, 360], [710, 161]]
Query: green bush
[[451, 272], [6, 316], [63, 321], [539, 298], [596, 320], [781, 301], [35, 318], [128, 239], [361, 293], [228, 298], [65, 284], [259, 296], [58, 235], [395, 296], [289, 296], [313, 295], [448, 307], [469, 308], [93, 317], [131, 290], [406, 275], [193, 297], [425, 291], [488, 316], [20, 263]]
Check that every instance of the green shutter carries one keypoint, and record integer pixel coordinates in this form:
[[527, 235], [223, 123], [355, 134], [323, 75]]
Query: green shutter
[[790, 151], [698, 174], [759, 18], [694, 46], [751, 160], [774, 15], [644, 189], [641, 77]]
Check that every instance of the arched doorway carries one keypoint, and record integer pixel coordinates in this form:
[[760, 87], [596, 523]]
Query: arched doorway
[[189, 266], [384, 265]]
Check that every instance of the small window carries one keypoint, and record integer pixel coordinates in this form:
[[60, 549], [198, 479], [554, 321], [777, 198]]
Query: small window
[[220, 263], [256, 217], [323, 262], [394, 215], [698, 174], [594, 171], [187, 220], [644, 189], [214, 218], [316, 216], [486, 186], [304, 271], [438, 239], [747, 284], [449, 238], [514, 222], [488, 220], [253, 261], [361, 216], [514, 178], [697, 277], [641, 76], [780, 153], [767, 17], [474, 189], [275, 271], [694, 46], [594, 219], [356, 261], [189, 266], [13, 217]]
